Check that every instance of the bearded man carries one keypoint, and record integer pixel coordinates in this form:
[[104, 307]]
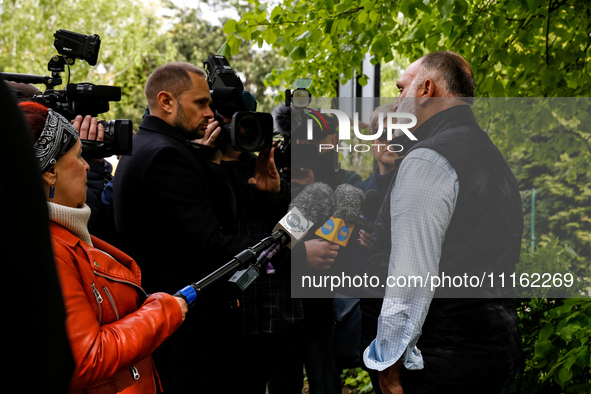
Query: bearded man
[[170, 214], [453, 209]]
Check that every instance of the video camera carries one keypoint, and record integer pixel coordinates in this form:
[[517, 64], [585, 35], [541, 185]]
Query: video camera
[[81, 98], [290, 119], [248, 131]]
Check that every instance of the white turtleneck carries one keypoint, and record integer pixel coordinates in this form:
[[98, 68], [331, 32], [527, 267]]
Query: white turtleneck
[[73, 219]]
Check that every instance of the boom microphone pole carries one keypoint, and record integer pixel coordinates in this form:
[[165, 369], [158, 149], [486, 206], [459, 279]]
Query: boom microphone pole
[[313, 205], [247, 256]]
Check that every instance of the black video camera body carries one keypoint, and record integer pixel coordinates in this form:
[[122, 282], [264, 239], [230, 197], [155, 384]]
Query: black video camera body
[[248, 131], [88, 99], [81, 98]]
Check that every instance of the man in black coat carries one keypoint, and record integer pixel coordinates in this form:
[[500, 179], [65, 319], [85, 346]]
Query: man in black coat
[[168, 214]]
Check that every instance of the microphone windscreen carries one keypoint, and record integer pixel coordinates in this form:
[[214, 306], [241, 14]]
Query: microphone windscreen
[[372, 204], [316, 202], [349, 201], [282, 117]]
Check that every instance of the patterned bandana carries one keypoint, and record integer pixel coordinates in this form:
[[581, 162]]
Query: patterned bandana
[[57, 137]]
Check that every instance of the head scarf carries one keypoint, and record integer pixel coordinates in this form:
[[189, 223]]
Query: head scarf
[[57, 137]]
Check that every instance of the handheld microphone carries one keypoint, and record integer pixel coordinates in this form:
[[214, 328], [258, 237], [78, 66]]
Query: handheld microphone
[[312, 205], [369, 210], [339, 227]]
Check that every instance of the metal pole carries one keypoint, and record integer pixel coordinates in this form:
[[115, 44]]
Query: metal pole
[[533, 214]]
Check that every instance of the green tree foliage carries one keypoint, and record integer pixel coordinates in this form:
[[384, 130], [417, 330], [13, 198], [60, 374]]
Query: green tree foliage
[[546, 141], [556, 346], [135, 39], [510, 43]]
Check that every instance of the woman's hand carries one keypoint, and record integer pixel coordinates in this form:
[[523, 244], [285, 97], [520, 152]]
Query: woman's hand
[[183, 305], [364, 238], [89, 129], [320, 253]]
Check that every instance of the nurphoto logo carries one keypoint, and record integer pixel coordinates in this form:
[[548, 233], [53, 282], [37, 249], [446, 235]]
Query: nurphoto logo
[[392, 129]]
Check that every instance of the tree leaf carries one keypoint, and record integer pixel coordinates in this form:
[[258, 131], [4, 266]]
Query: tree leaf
[[298, 53], [229, 26]]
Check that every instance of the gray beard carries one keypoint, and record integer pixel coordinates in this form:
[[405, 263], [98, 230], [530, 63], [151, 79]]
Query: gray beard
[[408, 106]]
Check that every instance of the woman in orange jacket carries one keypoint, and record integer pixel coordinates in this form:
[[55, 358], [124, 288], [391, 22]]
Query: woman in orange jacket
[[113, 326]]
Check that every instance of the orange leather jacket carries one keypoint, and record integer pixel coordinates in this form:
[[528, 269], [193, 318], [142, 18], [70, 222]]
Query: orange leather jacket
[[112, 325]]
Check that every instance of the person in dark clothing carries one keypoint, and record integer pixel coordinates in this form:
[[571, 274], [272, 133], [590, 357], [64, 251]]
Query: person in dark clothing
[[27, 253], [267, 311], [453, 207], [313, 346], [167, 203], [348, 339]]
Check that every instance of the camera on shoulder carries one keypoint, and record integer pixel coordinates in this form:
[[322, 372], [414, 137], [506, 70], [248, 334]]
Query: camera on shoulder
[[81, 98], [245, 129]]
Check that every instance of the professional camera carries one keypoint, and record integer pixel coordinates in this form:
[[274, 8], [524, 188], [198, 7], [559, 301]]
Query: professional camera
[[248, 131], [290, 118], [81, 98], [296, 120]]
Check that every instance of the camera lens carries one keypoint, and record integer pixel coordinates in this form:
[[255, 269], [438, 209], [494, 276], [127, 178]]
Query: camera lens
[[249, 132], [252, 131]]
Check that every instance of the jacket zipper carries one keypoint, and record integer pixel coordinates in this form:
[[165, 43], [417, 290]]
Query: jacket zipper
[[99, 300], [112, 301], [134, 371]]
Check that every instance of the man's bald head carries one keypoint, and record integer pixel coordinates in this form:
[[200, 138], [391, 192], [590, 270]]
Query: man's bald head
[[443, 76], [451, 72]]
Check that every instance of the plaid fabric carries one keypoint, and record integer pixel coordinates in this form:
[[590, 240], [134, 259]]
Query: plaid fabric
[[267, 306], [422, 204]]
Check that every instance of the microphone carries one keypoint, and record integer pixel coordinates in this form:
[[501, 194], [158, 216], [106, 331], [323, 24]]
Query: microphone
[[369, 211], [339, 227], [312, 205], [282, 117], [372, 204]]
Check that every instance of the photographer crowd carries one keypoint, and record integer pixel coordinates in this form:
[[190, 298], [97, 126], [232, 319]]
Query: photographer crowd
[[189, 199]]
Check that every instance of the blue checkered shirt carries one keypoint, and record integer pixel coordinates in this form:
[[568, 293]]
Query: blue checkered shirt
[[421, 205]]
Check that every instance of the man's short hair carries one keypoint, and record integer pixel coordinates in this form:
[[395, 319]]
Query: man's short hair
[[171, 77], [453, 70]]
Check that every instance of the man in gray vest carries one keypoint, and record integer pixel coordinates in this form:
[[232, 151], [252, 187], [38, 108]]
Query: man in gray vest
[[453, 211]]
